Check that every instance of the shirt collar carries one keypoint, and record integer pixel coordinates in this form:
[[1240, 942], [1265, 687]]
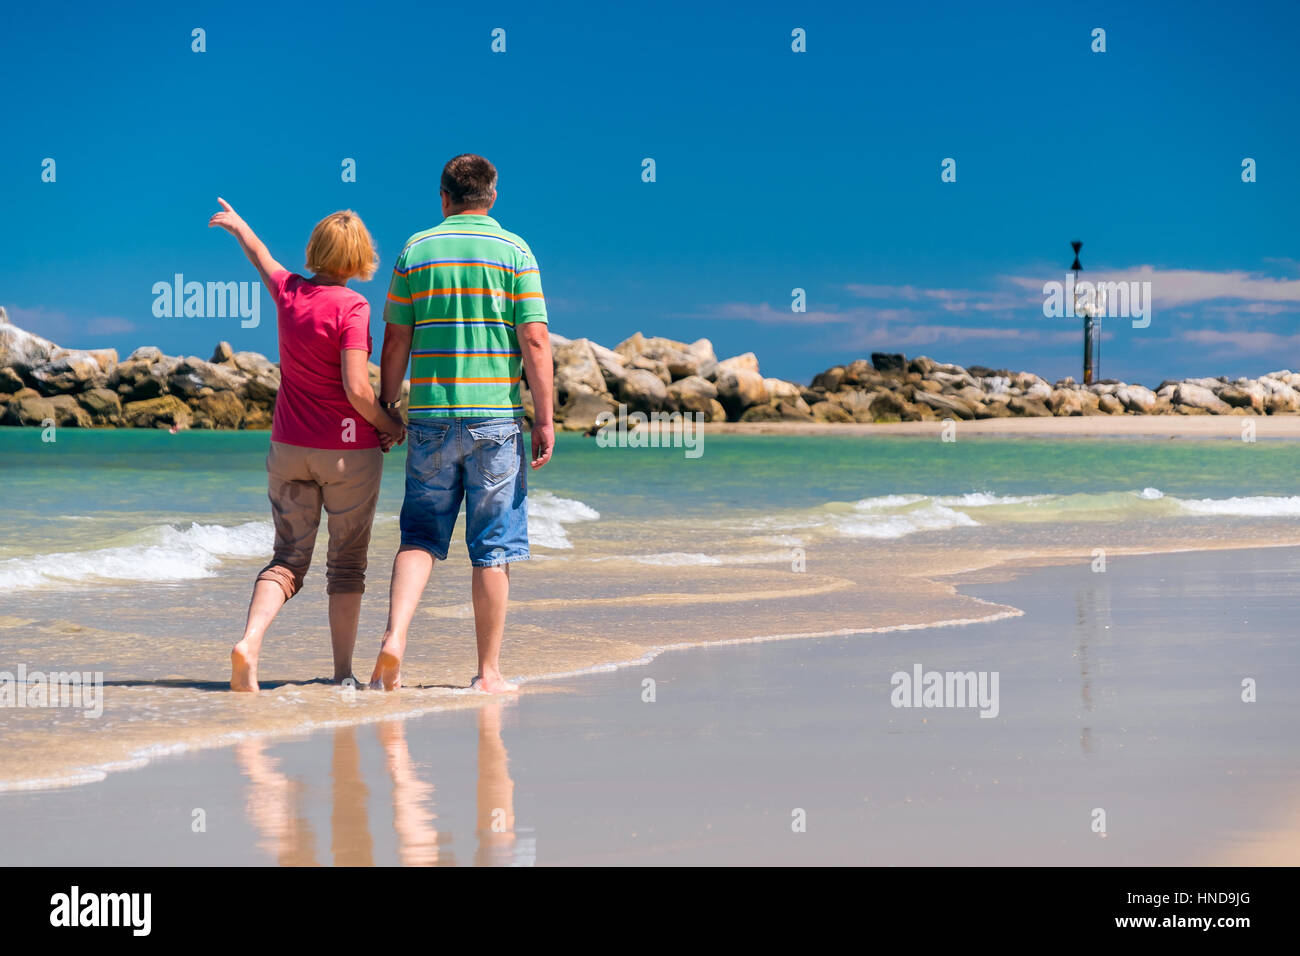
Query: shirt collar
[[471, 219]]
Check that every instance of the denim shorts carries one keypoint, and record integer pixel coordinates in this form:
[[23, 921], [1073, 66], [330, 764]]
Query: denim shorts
[[479, 461]]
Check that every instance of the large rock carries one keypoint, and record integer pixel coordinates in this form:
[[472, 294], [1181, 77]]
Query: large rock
[[746, 362], [147, 354], [222, 353], [705, 359], [1191, 395], [10, 381], [137, 379], [263, 377], [218, 409], [831, 379], [888, 407], [162, 412], [1136, 398], [1028, 407], [106, 359], [193, 375], [68, 412], [739, 389], [70, 373], [948, 405], [1109, 404], [260, 415], [611, 366], [889, 361], [1282, 399], [580, 412], [779, 390], [1245, 394], [28, 408], [103, 404], [692, 394], [643, 391], [655, 366], [830, 413], [856, 402], [862, 373], [21, 350], [576, 370]]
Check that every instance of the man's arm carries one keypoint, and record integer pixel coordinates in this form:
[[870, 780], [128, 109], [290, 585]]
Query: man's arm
[[394, 357], [535, 344], [253, 247], [356, 384]]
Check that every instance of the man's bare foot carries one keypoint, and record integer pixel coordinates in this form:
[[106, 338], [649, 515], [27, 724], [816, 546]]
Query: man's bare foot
[[492, 683], [349, 676], [243, 669], [388, 668]]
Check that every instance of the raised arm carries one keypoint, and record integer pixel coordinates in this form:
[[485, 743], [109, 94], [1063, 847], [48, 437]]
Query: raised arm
[[253, 247], [535, 344]]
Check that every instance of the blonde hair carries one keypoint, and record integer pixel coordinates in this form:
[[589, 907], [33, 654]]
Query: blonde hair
[[340, 246]]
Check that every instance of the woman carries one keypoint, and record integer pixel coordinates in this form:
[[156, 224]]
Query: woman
[[321, 455]]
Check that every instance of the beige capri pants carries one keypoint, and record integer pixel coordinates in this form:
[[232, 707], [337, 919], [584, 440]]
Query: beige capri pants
[[302, 480]]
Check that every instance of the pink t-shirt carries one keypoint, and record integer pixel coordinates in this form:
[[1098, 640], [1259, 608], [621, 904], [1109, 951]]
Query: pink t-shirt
[[316, 322]]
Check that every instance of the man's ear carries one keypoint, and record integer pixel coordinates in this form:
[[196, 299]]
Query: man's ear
[[494, 199]]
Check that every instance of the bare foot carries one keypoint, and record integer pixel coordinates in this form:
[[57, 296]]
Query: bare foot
[[492, 683], [243, 669], [388, 668]]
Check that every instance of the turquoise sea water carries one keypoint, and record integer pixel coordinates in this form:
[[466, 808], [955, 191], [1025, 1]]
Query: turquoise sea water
[[105, 473], [133, 552]]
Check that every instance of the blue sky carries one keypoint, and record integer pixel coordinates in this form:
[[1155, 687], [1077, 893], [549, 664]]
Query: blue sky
[[775, 169]]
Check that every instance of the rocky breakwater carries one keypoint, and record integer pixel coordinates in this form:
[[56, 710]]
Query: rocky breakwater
[[889, 387], [651, 375], [41, 382], [660, 375]]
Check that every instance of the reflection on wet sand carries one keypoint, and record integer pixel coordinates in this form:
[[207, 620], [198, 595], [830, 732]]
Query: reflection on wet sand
[[495, 826], [275, 802], [350, 841], [275, 806], [413, 816]]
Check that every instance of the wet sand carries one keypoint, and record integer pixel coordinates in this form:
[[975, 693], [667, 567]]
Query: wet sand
[[1118, 691]]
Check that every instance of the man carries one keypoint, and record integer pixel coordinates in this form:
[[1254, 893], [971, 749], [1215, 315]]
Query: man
[[465, 307]]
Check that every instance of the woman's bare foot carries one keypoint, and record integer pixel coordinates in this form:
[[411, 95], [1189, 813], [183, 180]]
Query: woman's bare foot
[[492, 683], [388, 668], [243, 668]]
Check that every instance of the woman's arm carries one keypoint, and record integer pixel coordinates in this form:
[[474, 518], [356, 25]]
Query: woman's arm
[[356, 384], [253, 247]]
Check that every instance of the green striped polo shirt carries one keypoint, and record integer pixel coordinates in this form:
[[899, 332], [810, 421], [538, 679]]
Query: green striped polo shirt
[[465, 285]]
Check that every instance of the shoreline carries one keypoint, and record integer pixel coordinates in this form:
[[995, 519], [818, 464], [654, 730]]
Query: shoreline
[[1267, 427], [1084, 720], [1000, 568]]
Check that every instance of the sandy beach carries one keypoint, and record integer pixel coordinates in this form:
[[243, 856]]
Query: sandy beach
[[1083, 426], [1118, 691]]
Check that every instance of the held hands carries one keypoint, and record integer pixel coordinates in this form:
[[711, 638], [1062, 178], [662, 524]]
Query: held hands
[[392, 433], [228, 219]]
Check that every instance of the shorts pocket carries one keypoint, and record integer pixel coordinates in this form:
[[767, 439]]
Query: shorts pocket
[[425, 444], [496, 450]]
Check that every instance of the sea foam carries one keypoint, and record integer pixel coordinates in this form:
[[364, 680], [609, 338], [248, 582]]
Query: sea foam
[[547, 516], [161, 553]]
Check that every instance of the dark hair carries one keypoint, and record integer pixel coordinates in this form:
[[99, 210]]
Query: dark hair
[[469, 181]]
